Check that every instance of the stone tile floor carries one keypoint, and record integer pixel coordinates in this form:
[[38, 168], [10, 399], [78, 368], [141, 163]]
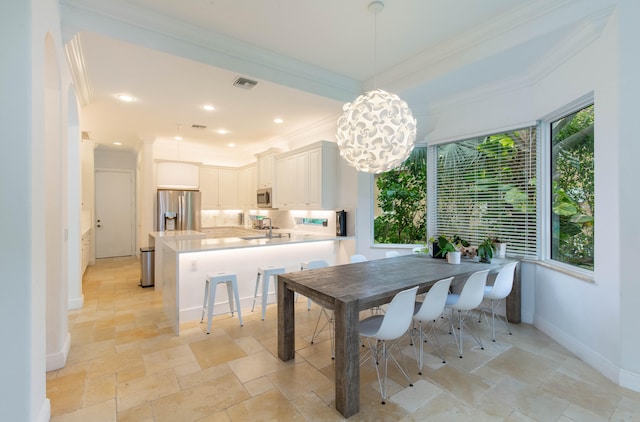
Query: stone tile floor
[[126, 364]]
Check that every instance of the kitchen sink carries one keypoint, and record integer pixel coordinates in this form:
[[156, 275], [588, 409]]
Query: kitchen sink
[[266, 236]]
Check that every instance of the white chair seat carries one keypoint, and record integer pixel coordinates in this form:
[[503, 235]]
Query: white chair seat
[[211, 282], [266, 273]]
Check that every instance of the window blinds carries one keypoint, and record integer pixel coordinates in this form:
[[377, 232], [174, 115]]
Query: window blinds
[[486, 187]]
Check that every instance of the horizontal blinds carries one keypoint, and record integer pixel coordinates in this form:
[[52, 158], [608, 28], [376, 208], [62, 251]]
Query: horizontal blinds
[[485, 187]]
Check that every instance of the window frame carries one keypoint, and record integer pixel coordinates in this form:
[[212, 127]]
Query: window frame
[[545, 194]]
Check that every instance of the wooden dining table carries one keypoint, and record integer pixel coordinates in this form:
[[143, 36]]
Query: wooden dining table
[[350, 288]]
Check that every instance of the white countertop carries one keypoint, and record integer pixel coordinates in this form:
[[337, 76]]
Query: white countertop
[[176, 234], [213, 244]]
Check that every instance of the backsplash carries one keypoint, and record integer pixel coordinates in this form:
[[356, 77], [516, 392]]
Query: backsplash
[[303, 221]]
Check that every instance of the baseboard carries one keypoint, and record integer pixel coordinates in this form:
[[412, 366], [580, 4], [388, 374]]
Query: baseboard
[[630, 380], [76, 303], [589, 356], [59, 359], [44, 415]]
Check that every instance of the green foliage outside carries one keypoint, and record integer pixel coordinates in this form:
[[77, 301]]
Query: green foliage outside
[[573, 189], [402, 198], [486, 187]]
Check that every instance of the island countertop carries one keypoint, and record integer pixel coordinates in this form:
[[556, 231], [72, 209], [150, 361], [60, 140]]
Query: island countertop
[[213, 244]]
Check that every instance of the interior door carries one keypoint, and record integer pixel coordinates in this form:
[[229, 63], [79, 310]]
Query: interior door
[[115, 229]]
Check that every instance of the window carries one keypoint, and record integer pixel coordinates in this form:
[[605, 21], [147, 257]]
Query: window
[[572, 187], [401, 202], [485, 187]]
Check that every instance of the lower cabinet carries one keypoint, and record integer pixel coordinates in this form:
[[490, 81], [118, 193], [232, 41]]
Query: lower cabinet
[[86, 250]]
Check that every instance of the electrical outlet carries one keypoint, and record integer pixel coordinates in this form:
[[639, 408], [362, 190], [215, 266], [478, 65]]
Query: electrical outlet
[[194, 266]]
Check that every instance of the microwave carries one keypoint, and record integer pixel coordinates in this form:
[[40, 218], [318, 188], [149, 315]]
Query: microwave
[[264, 198]]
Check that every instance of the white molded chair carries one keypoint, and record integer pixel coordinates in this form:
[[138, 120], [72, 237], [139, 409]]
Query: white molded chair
[[311, 265], [381, 329], [498, 292], [358, 258], [428, 312], [392, 254], [469, 298]]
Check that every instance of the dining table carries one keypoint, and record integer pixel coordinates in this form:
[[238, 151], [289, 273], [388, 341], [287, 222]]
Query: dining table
[[350, 288]]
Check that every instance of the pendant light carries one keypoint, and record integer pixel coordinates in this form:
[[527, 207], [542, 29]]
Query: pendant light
[[377, 131]]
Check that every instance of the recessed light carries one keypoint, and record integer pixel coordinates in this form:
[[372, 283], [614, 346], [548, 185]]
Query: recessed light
[[278, 120], [222, 131], [117, 143], [125, 98], [231, 145], [178, 138], [208, 107]]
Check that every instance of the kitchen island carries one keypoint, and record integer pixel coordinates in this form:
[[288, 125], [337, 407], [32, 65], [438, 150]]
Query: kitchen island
[[187, 262], [157, 239]]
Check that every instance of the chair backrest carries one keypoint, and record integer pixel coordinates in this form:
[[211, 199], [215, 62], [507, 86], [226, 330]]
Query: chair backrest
[[392, 254], [435, 301], [318, 263], [358, 258], [472, 291], [397, 319], [503, 283]]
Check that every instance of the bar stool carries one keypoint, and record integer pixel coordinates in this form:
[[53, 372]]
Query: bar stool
[[212, 281], [266, 273]]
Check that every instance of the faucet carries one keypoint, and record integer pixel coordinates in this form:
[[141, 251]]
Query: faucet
[[270, 236]]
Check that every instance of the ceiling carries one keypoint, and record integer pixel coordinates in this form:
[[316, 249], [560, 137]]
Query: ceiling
[[307, 57]]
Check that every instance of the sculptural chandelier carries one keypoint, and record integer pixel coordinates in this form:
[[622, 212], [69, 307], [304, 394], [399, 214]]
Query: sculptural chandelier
[[377, 131]]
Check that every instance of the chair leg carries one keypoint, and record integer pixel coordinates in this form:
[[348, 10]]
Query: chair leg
[[236, 295], [255, 293], [265, 294], [206, 299], [212, 299]]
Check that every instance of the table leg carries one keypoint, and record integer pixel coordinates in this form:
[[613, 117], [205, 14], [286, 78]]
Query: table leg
[[286, 322], [347, 358]]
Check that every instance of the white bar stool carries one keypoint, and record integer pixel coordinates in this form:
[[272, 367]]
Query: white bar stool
[[212, 282], [266, 273]]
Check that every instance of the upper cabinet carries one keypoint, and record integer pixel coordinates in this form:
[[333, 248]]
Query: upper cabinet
[[219, 188], [247, 186], [306, 177], [266, 168]]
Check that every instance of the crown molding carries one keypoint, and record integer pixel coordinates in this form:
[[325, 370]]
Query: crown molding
[[75, 58]]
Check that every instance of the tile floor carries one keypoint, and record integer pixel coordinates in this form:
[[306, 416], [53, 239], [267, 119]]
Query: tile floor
[[125, 364]]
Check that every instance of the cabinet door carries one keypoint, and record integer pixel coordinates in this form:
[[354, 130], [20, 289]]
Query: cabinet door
[[265, 171], [209, 188], [301, 180], [314, 179], [228, 189], [286, 178], [247, 187]]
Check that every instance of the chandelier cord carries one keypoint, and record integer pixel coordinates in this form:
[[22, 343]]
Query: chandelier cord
[[375, 49]]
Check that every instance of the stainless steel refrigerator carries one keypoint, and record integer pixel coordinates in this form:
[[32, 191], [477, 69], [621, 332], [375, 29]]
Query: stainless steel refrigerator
[[178, 210]]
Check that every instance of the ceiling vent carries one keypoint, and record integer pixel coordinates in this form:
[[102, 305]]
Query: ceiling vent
[[244, 83], [195, 126]]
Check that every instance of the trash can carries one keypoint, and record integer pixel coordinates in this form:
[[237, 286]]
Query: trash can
[[147, 264]]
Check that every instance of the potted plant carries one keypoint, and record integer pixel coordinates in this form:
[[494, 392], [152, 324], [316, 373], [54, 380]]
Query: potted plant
[[500, 247], [485, 251], [447, 248]]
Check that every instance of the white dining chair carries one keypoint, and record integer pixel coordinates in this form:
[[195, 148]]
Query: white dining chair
[[469, 299], [392, 254], [427, 314], [382, 332], [497, 293]]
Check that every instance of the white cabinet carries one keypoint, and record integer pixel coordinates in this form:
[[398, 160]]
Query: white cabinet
[[218, 188], [266, 169], [306, 178], [86, 250], [247, 187]]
